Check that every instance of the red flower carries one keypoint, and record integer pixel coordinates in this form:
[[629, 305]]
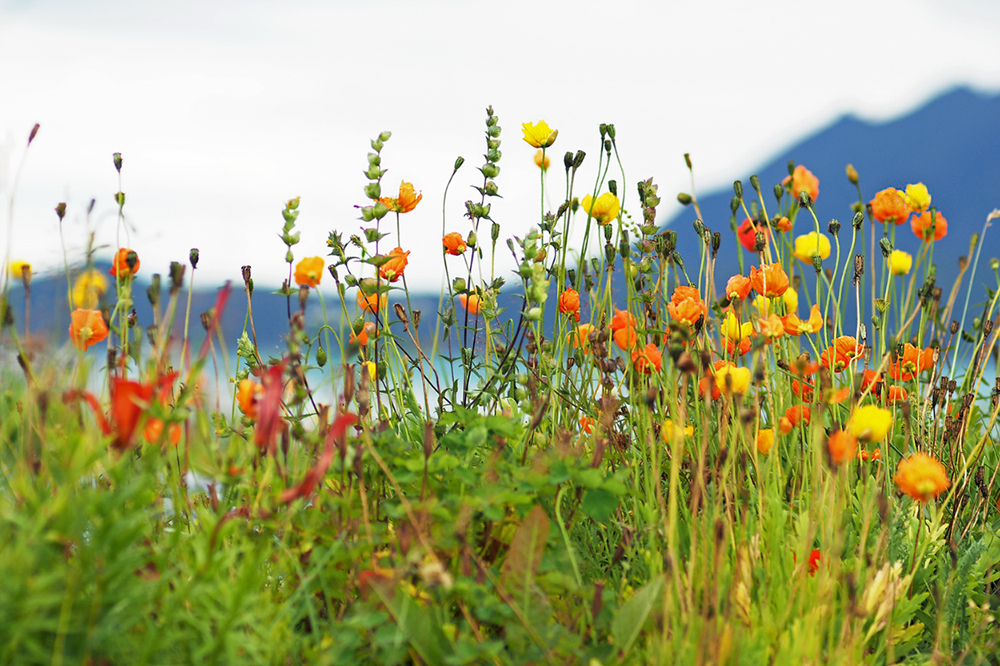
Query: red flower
[[921, 225], [747, 234], [129, 402]]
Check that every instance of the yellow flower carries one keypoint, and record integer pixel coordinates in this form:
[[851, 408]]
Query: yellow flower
[[790, 298], [870, 423], [900, 262], [539, 135], [734, 330], [542, 161], [309, 271], [604, 210], [17, 270], [670, 431], [765, 440], [731, 379], [810, 245], [372, 370], [917, 197], [88, 289]]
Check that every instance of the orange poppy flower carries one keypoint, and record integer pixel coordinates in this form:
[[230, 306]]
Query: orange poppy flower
[[309, 271], [802, 179], [738, 288], [771, 326], [392, 269], [765, 440], [865, 456], [119, 267], [154, 430], [921, 477], [647, 360], [248, 394], [372, 302], [87, 328], [770, 281], [454, 244], [794, 416], [890, 205], [911, 363], [842, 447], [795, 326], [709, 379], [870, 381], [747, 234], [803, 389], [740, 348], [569, 303], [842, 353], [687, 306], [470, 302], [896, 394], [362, 338], [622, 319], [581, 337], [626, 338], [586, 424], [405, 202], [814, 558], [921, 225], [783, 224]]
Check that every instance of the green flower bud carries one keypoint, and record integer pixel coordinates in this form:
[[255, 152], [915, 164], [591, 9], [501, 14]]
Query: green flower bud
[[684, 198], [738, 189], [384, 136], [373, 190], [459, 161], [193, 257], [117, 157], [321, 357]]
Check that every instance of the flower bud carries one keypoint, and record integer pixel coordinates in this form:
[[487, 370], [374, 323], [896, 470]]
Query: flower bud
[[852, 174], [876, 321], [578, 160], [132, 319], [61, 211], [321, 357], [384, 136], [734, 204], [193, 257], [738, 189], [791, 167], [885, 246], [779, 191], [176, 275], [153, 290], [716, 243], [458, 285], [613, 187], [120, 199], [858, 220], [568, 159], [833, 227], [117, 157], [607, 146], [684, 198], [994, 263], [131, 259], [459, 161], [881, 304]]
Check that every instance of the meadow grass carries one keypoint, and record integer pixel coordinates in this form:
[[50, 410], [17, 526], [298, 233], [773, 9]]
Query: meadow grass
[[614, 455]]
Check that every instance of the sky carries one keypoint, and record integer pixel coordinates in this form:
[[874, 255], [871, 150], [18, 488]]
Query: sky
[[222, 111]]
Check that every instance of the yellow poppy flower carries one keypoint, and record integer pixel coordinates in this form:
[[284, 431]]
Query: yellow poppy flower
[[811, 245], [539, 135], [604, 210]]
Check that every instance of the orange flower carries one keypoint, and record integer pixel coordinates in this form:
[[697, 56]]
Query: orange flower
[[405, 202], [802, 389], [772, 327], [622, 319], [686, 305], [569, 303], [372, 302], [581, 337], [802, 179], [248, 394], [709, 380], [921, 477], [890, 205], [795, 326], [740, 348], [896, 394], [836, 396], [309, 271], [626, 338], [738, 288], [765, 440], [129, 402], [921, 225], [154, 430], [814, 558], [586, 424], [865, 456], [470, 302], [542, 161], [362, 338], [911, 363], [793, 417], [783, 224], [770, 281], [870, 381], [119, 267], [87, 328], [747, 234], [454, 244], [396, 262], [842, 447], [842, 353], [647, 360]]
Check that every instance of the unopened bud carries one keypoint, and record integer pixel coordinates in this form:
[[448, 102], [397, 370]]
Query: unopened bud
[[684, 198], [734, 204], [117, 157], [61, 211], [834, 227], [779, 191], [738, 188], [885, 246], [320, 357], [193, 257], [176, 275], [852, 174], [578, 159], [568, 160], [755, 183], [995, 263], [858, 220], [759, 241], [459, 161]]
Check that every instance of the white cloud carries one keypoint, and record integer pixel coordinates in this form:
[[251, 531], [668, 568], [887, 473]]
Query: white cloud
[[225, 110]]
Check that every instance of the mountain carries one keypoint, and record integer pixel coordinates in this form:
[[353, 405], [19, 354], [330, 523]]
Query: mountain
[[951, 145]]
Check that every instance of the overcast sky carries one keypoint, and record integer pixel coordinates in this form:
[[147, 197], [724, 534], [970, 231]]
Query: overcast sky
[[224, 110]]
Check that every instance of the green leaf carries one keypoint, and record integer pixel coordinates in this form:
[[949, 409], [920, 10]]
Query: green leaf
[[631, 618], [599, 504]]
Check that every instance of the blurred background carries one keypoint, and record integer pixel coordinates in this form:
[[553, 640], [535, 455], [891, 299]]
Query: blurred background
[[222, 111]]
